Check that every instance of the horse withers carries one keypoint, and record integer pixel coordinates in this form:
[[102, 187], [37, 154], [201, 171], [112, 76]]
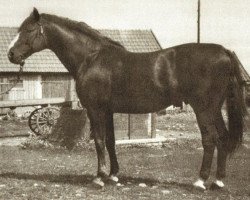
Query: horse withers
[[110, 79]]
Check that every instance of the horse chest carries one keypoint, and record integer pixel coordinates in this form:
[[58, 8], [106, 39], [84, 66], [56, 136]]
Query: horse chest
[[93, 88]]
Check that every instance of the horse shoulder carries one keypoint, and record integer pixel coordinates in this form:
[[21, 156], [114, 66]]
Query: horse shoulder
[[94, 85]]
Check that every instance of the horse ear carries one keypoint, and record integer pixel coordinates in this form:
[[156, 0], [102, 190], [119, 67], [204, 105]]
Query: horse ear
[[36, 14]]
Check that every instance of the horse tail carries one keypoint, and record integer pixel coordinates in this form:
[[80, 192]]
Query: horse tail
[[236, 106]]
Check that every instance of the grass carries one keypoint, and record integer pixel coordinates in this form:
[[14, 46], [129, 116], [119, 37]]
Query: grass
[[10, 128], [167, 172]]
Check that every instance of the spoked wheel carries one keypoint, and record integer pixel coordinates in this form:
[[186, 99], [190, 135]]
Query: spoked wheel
[[32, 121], [46, 119], [42, 120]]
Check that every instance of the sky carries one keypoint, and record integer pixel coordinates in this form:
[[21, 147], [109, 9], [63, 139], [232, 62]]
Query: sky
[[173, 22]]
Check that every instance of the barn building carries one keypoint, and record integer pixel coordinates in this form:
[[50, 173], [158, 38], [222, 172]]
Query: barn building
[[45, 77]]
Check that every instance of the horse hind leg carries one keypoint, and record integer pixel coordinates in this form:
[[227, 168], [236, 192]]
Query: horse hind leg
[[209, 137], [222, 152]]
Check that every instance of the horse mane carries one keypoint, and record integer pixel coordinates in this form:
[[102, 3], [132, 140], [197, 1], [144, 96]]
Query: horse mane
[[82, 27]]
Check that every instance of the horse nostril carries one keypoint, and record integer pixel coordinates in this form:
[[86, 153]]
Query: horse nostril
[[10, 54]]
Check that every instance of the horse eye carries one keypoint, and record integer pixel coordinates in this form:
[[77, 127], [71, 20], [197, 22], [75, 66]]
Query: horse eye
[[30, 30]]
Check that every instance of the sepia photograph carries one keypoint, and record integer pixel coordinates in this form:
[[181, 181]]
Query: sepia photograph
[[124, 99]]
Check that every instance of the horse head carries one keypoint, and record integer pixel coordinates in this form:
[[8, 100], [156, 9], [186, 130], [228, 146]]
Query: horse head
[[30, 39]]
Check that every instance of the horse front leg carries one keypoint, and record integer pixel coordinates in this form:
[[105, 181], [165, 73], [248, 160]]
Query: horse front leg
[[97, 121], [110, 144]]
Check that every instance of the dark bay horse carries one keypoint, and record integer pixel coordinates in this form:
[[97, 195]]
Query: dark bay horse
[[110, 79]]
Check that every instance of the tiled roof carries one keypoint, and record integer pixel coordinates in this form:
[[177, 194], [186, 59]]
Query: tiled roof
[[46, 61]]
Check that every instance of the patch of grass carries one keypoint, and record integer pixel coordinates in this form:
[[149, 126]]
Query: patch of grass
[[14, 127], [184, 121]]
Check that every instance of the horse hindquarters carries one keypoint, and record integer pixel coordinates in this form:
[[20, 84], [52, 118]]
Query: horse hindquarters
[[207, 108], [211, 123]]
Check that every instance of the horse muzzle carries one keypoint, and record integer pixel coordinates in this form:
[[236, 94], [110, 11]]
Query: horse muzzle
[[16, 59]]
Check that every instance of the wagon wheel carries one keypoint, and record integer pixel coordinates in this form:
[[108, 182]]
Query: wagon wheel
[[46, 119], [32, 121]]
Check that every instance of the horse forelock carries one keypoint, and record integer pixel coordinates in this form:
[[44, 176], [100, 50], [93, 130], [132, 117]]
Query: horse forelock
[[81, 28], [28, 21]]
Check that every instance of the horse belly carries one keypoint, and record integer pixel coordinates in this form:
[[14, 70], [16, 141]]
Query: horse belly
[[139, 104]]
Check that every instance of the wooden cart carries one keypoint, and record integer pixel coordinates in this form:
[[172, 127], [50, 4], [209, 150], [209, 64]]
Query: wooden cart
[[42, 119]]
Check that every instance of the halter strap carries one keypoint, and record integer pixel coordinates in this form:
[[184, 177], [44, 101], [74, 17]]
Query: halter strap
[[42, 32], [41, 27]]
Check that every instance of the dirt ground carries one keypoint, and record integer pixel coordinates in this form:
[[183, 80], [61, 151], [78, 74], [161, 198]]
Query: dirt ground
[[159, 172]]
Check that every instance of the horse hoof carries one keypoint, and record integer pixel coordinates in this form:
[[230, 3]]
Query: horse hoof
[[199, 184], [98, 183], [112, 180], [217, 185]]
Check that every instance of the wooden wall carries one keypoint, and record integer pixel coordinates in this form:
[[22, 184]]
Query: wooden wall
[[55, 85], [33, 86], [27, 88]]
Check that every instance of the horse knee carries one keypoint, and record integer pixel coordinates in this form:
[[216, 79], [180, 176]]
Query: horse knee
[[209, 136], [100, 144]]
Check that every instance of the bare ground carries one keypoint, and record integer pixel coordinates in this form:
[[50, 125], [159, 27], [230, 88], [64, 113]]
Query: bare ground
[[145, 173]]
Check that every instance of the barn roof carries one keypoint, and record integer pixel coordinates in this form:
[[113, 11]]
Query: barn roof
[[46, 61]]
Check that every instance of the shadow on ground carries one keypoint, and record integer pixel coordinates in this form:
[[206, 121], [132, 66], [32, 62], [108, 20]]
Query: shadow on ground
[[86, 180]]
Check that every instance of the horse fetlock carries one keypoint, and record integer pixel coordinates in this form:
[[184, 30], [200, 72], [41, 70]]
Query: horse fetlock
[[98, 182], [216, 185], [114, 170], [102, 171], [102, 174], [204, 174], [199, 184], [113, 178], [221, 174]]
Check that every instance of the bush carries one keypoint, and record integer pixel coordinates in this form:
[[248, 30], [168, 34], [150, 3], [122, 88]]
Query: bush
[[71, 127]]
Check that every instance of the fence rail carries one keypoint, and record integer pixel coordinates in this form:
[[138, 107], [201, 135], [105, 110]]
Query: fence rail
[[32, 102]]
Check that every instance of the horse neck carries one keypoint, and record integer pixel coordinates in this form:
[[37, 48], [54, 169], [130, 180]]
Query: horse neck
[[71, 48]]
